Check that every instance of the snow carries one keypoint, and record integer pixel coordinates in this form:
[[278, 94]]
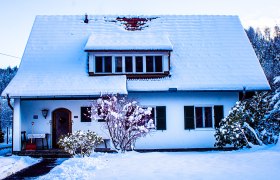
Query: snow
[[256, 163], [209, 53], [128, 41], [5, 148], [12, 164]]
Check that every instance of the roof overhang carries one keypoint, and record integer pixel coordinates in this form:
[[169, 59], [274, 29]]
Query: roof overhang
[[138, 41]]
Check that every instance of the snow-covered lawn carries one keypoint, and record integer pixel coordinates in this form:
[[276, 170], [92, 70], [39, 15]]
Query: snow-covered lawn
[[12, 164], [5, 148], [244, 164]]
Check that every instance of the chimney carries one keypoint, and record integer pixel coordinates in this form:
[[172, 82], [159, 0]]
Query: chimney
[[86, 18]]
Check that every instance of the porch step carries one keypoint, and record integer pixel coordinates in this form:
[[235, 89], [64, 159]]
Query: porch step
[[51, 153]]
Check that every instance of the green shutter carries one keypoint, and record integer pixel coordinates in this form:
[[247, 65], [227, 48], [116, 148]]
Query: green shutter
[[189, 117], [161, 117], [218, 114]]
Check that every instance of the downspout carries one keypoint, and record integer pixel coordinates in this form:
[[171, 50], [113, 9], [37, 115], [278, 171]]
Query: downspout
[[244, 93], [12, 108], [9, 102]]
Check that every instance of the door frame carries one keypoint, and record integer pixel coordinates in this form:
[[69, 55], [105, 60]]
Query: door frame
[[54, 145]]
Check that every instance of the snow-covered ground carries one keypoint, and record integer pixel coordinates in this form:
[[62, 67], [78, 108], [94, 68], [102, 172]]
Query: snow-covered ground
[[5, 148], [256, 163], [12, 164]]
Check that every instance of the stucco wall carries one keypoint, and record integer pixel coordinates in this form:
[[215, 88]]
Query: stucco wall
[[174, 137]]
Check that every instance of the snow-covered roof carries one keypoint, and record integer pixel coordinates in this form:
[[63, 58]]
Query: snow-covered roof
[[208, 53], [131, 40]]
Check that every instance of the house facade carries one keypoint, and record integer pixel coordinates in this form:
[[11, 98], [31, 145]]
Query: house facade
[[190, 69]]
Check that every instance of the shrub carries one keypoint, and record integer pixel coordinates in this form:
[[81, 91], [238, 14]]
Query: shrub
[[125, 120], [80, 143], [252, 121]]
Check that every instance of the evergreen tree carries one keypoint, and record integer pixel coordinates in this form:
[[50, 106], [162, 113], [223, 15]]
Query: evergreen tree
[[6, 76]]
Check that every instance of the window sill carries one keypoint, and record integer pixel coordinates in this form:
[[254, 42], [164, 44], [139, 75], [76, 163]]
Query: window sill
[[134, 75], [204, 129]]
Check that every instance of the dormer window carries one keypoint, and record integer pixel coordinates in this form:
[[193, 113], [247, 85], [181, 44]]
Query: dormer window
[[139, 63], [118, 64], [136, 55], [129, 64], [154, 63], [103, 64]]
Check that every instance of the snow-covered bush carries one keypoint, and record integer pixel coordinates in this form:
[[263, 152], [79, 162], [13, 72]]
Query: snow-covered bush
[[253, 121], [230, 130], [80, 143], [125, 120]]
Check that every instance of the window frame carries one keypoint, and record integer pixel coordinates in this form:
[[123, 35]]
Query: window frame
[[133, 55], [83, 116], [203, 117], [103, 58]]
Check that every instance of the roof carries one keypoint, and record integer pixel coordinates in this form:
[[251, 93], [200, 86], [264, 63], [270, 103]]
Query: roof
[[209, 53], [128, 41]]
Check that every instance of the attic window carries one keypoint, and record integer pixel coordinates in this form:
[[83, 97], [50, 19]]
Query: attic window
[[137, 65], [103, 64]]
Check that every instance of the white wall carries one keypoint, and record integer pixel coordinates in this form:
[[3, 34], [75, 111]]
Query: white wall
[[42, 125], [174, 137]]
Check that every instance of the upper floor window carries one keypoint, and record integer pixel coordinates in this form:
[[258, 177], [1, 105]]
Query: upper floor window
[[118, 64], [128, 64], [103, 64], [154, 63], [134, 65], [139, 63]]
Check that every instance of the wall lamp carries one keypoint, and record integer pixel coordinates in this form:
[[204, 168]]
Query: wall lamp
[[45, 113]]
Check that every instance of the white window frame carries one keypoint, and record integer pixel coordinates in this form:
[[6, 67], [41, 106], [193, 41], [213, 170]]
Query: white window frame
[[103, 64], [203, 117], [123, 55]]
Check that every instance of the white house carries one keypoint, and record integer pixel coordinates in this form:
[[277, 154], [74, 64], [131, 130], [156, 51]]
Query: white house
[[191, 69]]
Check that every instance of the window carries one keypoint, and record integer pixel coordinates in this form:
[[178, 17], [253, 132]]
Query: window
[[134, 65], [158, 114], [103, 64], [98, 64], [149, 64], [154, 63], [158, 63], [139, 63], [118, 64], [203, 117], [108, 64], [85, 114], [128, 64]]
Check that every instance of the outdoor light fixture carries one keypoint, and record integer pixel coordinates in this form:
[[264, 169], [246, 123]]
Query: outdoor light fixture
[[45, 113]]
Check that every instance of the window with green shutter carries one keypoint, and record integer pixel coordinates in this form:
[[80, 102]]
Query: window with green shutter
[[218, 115], [189, 117], [161, 117]]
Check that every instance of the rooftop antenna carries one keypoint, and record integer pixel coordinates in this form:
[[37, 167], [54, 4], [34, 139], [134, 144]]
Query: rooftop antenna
[[86, 18]]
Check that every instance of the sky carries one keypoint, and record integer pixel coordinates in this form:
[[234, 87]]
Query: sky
[[17, 16]]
